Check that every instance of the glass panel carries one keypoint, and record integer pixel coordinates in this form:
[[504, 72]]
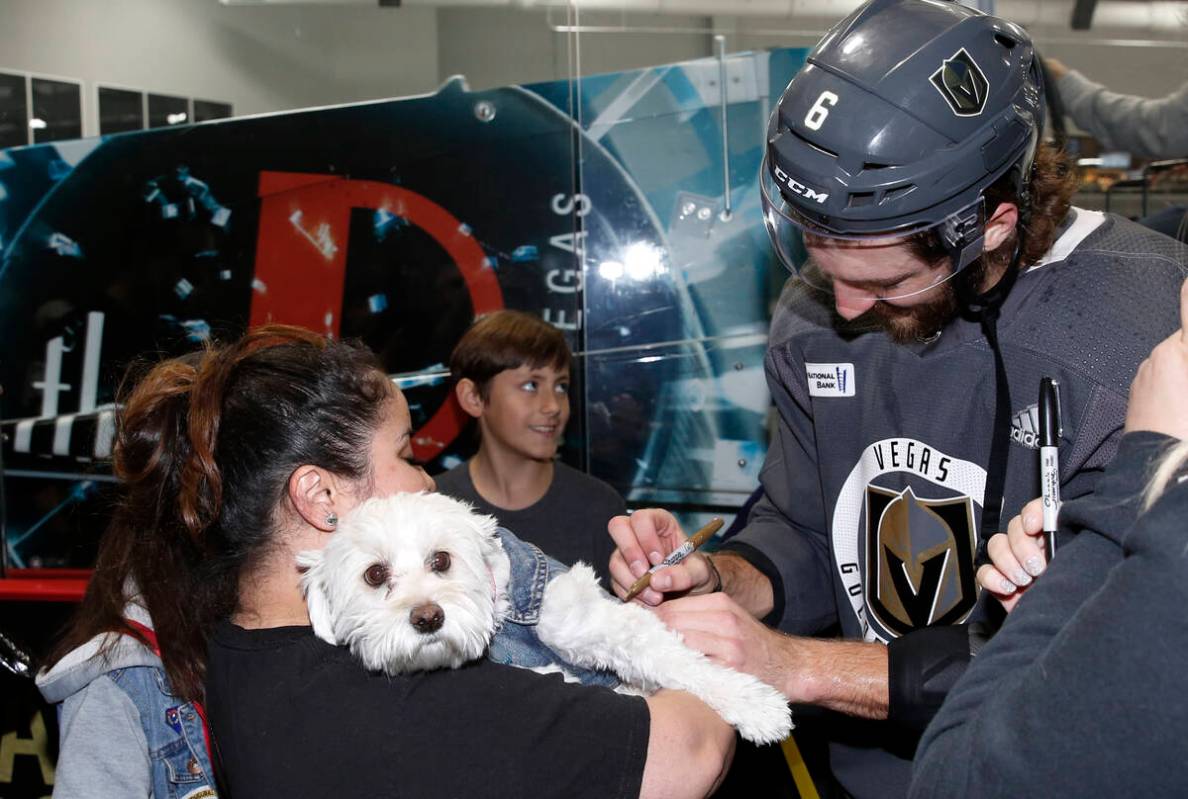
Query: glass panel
[[120, 110], [678, 277], [162, 242], [457, 202], [164, 110], [205, 110], [57, 110], [680, 424], [46, 515], [14, 111]]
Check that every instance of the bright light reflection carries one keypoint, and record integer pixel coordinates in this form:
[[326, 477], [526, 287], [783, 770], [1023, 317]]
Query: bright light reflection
[[38, 124], [853, 43], [642, 261], [610, 270]]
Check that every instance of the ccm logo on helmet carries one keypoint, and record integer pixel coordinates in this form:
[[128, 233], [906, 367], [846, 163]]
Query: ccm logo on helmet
[[804, 191]]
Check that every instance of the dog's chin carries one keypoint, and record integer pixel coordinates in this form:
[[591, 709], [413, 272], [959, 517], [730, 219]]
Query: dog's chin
[[393, 646], [404, 653]]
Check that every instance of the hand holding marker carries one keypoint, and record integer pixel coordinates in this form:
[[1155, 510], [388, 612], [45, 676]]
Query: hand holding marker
[[676, 556]]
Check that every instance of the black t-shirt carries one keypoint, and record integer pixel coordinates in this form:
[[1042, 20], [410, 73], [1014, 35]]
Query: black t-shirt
[[296, 717], [568, 522]]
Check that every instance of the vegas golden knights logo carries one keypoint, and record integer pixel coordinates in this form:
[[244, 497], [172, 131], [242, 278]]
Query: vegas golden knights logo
[[962, 83], [919, 559]]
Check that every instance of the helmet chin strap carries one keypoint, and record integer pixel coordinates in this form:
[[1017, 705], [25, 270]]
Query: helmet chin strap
[[985, 307]]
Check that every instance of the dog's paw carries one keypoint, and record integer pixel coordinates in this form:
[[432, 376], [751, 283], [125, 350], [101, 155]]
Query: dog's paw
[[759, 712]]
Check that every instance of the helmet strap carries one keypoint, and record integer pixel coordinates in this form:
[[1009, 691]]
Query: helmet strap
[[985, 308]]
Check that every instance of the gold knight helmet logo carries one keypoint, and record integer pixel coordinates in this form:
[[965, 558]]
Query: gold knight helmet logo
[[919, 559], [962, 83]]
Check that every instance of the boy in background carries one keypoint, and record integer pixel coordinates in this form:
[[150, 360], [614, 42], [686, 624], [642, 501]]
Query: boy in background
[[512, 375]]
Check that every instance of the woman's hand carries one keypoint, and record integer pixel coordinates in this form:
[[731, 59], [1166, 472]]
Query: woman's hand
[[1017, 556]]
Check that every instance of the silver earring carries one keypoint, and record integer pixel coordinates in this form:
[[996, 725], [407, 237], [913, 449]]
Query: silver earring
[[332, 519]]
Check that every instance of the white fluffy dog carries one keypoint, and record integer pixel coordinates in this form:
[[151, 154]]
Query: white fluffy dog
[[417, 582]]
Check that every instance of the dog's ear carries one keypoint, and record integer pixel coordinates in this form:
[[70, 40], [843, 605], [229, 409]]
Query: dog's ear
[[491, 546], [486, 527], [316, 600]]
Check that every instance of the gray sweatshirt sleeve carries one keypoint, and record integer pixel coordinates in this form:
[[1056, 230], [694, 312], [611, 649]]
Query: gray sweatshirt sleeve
[[103, 749], [785, 537], [1149, 128], [1067, 698]]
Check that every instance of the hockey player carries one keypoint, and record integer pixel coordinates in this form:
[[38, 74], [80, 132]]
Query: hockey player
[[947, 274]]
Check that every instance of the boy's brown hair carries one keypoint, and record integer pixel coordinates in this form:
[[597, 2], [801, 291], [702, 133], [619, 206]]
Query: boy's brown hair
[[506, 340]]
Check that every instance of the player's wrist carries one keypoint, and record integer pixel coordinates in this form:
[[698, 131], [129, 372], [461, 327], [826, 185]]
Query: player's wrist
[[713, 583], [743, 583]]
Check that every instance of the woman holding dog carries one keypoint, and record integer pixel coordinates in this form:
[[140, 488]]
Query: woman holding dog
[[234, 462]]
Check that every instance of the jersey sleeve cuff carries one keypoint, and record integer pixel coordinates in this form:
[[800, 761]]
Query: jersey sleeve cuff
[[768, 569]]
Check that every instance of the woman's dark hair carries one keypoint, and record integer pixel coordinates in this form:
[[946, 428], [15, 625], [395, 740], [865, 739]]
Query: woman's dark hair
[[205, 445], [507, 340], [1050, 193]]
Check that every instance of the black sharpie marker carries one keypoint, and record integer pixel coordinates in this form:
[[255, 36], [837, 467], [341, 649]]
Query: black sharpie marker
[[1049, 441]]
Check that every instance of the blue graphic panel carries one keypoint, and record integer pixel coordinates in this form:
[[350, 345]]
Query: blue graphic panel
[[395, 222]]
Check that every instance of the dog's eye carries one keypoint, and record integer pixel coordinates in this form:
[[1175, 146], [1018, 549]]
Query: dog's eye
[[440, 561], [376, 575]]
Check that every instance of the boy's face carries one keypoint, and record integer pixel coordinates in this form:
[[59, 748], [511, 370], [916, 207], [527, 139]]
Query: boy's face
[[526, 411]]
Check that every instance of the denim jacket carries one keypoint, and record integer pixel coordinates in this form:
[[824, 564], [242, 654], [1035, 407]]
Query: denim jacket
[[95, 748], [516, 642]]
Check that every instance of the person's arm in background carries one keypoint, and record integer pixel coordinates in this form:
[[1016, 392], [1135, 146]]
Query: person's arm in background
[[689, 747], [1145, 127]]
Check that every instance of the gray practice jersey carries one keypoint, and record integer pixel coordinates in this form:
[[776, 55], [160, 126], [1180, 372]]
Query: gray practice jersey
[[875, 479]]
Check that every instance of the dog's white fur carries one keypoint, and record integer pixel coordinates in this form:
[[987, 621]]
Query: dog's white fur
[[578, 620]]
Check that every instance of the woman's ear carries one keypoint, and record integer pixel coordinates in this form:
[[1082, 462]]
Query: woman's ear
[[315, 495], [467, 392], [1000, 226]]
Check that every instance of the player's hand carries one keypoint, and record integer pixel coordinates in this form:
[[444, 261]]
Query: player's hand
[[1161, 384], [722, 629], [643, 539], [1017, 556]]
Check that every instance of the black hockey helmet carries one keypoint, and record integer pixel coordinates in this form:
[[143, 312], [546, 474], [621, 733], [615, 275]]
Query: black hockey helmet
[[900, 119]]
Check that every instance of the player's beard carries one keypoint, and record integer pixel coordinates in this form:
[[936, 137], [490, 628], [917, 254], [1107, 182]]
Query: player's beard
[[918, 322], [905, 324]]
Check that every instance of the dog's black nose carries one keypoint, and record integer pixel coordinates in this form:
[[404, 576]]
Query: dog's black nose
[[427, 618]]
